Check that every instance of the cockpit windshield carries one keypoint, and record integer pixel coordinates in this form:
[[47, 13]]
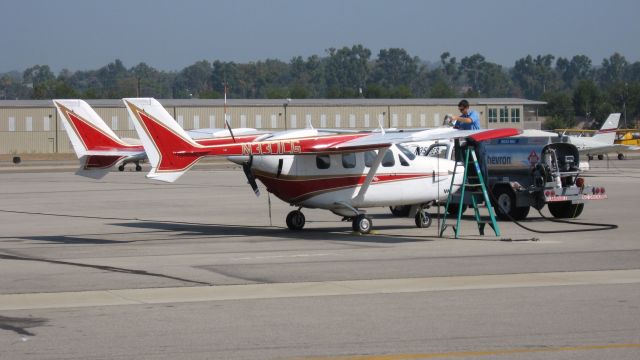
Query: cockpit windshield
[[406, 152]]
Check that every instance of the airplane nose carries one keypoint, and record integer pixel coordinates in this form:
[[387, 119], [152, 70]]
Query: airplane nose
[[238, 159]]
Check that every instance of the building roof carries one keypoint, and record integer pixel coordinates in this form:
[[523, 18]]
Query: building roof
[[289, 102]]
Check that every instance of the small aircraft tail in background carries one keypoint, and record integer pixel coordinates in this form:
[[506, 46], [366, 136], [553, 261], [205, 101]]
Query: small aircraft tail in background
[[607, 133], [96, 145]]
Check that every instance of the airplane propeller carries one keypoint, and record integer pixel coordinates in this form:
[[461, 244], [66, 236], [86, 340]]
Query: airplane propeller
[[246, 167]]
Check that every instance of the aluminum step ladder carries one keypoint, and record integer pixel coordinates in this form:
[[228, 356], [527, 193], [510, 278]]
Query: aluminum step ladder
[[474, 181]]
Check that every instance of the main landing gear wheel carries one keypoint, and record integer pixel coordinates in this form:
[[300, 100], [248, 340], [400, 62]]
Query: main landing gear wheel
[[138, 167], [620, 156], [600, 157], [423, 220], [121, 167], [362, 224], [295, 220]]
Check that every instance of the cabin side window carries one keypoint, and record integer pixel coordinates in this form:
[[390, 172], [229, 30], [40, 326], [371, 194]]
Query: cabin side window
[[323, 161], [388, 160], [369, 158], [349, 160]]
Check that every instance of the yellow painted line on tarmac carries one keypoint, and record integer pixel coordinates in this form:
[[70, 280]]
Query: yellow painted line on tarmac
[[463, 354], [312, 289]]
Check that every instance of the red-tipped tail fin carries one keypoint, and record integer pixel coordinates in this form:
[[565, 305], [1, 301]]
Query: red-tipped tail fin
[[170, 150]]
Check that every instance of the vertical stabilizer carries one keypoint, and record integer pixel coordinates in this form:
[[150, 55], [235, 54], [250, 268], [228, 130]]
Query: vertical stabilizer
[[607, 133]]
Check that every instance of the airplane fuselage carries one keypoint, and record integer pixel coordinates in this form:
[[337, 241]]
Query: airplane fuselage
[[334, 181]]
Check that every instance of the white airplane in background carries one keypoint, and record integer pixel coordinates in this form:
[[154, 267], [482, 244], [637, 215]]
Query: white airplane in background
[[603, 142], [310, 168], [100, 149]]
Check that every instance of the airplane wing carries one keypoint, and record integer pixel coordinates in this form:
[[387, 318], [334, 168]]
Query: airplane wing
[[172, 152], [387, 139], [615, 148]]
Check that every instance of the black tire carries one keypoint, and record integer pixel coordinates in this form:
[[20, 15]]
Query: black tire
[[590, 157], [362, 224], [295, 220], [505, 205], [138, 167], [600, 157], [400, 210], [121, 167], [620, 156], [565, 209], [423, 220]]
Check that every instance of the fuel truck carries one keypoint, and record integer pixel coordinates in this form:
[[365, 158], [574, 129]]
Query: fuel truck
[[533, 169]]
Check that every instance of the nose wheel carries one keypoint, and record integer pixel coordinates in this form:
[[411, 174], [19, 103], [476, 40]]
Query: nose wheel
[[295, 220], [362, 224]]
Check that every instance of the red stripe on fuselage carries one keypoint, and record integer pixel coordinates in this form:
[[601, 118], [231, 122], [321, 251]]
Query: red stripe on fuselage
[[291, 189]]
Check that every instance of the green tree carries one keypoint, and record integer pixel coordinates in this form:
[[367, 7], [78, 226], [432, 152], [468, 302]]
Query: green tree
[[394, 67], [558, 110], [441, 90], [586, 98], [347, 70]]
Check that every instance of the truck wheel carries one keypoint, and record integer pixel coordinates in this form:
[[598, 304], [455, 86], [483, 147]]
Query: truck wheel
[[400, 210], [565, 209], [506, 205]]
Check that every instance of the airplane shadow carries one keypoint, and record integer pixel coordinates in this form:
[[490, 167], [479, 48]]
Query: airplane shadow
[[342, 233], [20, 325]]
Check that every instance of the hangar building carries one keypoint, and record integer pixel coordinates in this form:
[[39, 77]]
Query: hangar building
[[32, 126]]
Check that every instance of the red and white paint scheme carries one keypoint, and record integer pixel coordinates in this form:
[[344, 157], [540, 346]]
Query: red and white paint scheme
[[100, 149], [340, 172], [95, 144]]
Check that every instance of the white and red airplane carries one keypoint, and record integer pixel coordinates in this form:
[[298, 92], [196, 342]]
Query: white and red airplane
[[100, 149], [310, 168]]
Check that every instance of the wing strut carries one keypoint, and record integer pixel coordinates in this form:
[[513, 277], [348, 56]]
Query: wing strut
[[357, 200]]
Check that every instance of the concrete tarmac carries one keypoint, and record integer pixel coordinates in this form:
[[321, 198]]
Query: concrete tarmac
[[128, 268]]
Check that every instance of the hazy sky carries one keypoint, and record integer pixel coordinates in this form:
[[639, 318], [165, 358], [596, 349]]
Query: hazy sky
[[169, 35]]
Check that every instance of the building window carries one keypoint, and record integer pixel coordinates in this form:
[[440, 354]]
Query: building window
[[323, 161], [366, 121], [258, 121], [12, 124], [352, 120], [504, 115], [212, 121], [274, 121], [323, 121], [493, 115], [349, 160], [294, 121], [409, 120], [394, 120], [338, 121], [515, 115], [46, 123], [196, 121], [29, 123], [114, 122]]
